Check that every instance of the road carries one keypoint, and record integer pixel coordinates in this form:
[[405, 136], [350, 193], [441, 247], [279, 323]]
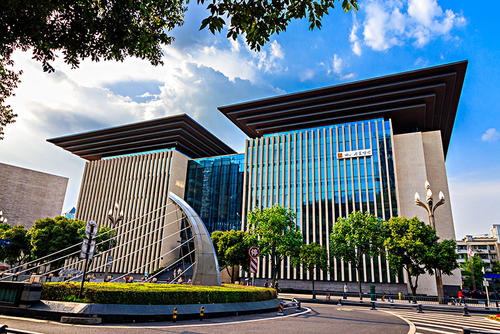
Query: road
[[316, 319], [446, 322]]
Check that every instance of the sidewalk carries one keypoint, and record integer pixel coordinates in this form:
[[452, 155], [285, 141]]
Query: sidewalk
[[430, 305]]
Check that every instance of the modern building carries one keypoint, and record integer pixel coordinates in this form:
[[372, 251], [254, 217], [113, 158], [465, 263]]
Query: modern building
[[367, 145], [27, 195], [485, 246]]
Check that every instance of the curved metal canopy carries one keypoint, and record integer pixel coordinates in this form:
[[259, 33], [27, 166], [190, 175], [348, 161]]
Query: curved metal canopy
[[206, 267]]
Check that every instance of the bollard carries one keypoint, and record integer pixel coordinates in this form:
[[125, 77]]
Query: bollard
[[202, 312], [3, 329], [280, 310], [419, 308], [466, 311], [373, 306], [174, 316], [399, 295]]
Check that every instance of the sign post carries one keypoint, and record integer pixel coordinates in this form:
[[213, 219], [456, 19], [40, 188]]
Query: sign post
[[254, 253], [486, 284], [87, 251]]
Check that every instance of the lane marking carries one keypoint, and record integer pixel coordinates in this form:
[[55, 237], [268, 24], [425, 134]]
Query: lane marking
[[137, 325], [451, 322], [435, 330], [412, 329]]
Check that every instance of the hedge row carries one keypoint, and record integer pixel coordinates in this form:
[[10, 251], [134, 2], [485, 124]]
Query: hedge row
[[154, 294]]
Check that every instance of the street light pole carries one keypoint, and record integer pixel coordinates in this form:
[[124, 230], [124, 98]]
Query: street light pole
[[2, 218], [430, 207], [114, 217]]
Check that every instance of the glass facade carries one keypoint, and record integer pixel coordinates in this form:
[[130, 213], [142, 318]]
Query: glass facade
[[301, 170], [214, 189]]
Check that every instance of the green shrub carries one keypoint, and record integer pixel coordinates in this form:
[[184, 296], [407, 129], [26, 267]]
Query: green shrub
[[154, 294]]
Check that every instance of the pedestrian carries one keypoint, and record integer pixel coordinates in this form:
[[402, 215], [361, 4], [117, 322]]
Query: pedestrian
[[346, 289], [266, 285], [461, 297]]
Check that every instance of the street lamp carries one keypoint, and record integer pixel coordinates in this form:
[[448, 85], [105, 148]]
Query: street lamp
[[2, 218], [114, 216], [431, 207]]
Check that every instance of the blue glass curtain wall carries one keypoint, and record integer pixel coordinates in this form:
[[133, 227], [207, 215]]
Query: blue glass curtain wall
[[214, 190], [301, 170]]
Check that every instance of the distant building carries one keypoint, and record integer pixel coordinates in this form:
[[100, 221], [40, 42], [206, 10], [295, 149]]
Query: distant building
[[27, 195], [485, 246], [71, 213]]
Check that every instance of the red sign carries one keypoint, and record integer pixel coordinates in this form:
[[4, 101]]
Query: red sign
[[254, 251], [253, 265]]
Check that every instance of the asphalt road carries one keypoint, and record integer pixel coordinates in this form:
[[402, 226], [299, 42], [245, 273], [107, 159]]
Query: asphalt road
[[317, 319]]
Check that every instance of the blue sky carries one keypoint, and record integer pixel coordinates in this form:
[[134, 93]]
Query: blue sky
[[203, 71]]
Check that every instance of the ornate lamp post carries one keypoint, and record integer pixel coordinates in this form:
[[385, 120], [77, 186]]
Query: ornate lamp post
[[114, 217], [430, 207], [2, 218]]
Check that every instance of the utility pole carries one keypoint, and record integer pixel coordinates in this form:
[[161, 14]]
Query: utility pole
[[87, 251]]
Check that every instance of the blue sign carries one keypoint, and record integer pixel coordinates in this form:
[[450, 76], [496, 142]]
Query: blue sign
[[5, 242], [491, 275]]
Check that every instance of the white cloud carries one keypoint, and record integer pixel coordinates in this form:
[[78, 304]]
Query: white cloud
[[338, 68], [390, 23], [490, 135], [195, 79], [308, 74], [276, 51], [353, 37]]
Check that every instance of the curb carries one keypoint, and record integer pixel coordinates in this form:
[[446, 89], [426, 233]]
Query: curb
[[120, 313], [399, 305]]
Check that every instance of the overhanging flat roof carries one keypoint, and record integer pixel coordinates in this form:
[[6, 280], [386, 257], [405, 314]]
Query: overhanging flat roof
[[421, 100], [180, 132]]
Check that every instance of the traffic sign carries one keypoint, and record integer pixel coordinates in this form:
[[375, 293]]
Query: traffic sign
[[87, 248], [253, 265], [91, 229], [486, 283], [254, 251]]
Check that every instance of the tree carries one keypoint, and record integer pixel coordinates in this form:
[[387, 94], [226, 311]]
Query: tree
[[278, 234], [412, 246], [49, 235], [312, 257], [232, 249], [113, 30], [355, 236], [472, 272], [19, 248], [442, 258]]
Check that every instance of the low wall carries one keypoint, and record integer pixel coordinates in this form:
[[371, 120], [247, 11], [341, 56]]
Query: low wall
[[306, 285]]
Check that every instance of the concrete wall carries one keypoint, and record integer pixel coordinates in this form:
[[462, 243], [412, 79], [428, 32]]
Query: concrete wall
[[139, 184], [306, 285], [419, 157], [27, 195]]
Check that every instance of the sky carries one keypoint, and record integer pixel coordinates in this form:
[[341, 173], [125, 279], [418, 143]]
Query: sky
[[202, 71]]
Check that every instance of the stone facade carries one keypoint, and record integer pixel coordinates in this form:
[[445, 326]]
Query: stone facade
[[27, 195], [419, 157]]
